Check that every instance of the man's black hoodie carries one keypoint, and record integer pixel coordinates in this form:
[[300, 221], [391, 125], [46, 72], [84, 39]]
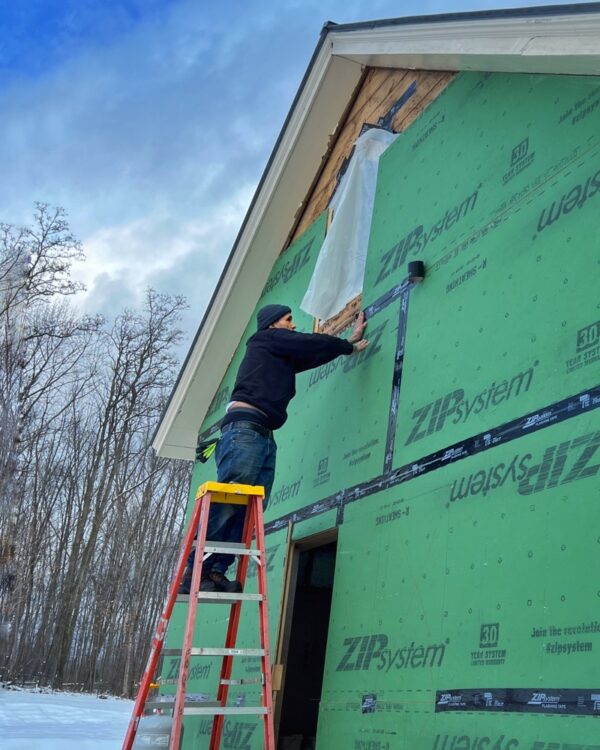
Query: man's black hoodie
[[267, 376]]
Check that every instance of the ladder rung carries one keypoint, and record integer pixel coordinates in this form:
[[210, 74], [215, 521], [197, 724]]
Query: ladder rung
[[228, 548], [220, 597], [228, 652], [226, 710], [245, 681], [188, 704], [222, 548], [216, 652]]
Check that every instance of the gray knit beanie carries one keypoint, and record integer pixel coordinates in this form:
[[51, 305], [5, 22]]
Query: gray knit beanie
[[270, 314]]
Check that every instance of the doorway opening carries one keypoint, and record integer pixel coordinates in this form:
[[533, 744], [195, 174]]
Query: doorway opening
[[305, 641]]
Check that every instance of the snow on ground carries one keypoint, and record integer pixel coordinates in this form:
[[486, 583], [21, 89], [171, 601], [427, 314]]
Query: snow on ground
[[61, 721]]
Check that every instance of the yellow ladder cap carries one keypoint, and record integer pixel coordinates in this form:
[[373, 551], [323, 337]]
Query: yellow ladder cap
[[233, 494]]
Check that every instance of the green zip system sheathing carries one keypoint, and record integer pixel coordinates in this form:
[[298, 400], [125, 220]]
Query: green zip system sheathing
[[459, 453]]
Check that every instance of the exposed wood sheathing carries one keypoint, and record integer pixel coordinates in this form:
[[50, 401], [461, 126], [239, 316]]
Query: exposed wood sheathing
[[343, 319], [380, 90]]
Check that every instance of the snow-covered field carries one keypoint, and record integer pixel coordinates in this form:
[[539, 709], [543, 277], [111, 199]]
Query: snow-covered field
[[61, 721]]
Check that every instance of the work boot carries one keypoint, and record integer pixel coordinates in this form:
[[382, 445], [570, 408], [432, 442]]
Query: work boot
[[206, 584], [224, 584]]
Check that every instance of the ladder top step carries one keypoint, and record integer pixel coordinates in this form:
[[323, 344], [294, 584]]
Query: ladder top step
[[232, 494]]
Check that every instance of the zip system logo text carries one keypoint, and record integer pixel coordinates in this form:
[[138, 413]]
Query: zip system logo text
[[576, 197], [349, 363], [474, 742], [457, 407], [367, 651], [560, 464], [290, 268], [419, 238]]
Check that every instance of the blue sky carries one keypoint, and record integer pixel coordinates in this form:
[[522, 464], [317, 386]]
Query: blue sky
[[150, 122]]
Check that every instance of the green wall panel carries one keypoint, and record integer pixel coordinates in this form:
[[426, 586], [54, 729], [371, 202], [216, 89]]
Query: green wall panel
[[476, 575], [315, 525], [500, 313], [509, 339], [473, 158], [462, 587]]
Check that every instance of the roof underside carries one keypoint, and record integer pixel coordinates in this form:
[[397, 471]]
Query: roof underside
[[550, 40]]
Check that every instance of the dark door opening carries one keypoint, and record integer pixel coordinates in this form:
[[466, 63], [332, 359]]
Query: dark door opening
[[306, 648]]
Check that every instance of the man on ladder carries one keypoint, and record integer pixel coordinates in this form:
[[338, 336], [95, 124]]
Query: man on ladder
[[265, 384], [231, 511]]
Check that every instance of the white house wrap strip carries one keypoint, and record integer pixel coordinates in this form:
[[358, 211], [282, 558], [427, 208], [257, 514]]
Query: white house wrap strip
[[340, 267]]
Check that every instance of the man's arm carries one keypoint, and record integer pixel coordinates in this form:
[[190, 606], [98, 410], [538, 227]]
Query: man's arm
[[309, 350]]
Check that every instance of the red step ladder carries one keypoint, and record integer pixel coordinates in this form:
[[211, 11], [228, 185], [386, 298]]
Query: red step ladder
[[252, 498]]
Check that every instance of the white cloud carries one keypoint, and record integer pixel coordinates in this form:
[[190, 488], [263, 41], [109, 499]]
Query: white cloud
[[154, 133], [161, 251]]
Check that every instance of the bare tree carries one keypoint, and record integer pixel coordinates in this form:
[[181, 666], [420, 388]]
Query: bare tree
[[34, 266], [94, 518]]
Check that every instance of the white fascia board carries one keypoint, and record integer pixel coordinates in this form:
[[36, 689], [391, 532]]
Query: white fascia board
[[284, 186], [558, 44]]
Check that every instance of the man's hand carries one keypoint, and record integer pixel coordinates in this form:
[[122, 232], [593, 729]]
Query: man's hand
[[360, 345], [356, 339], [359, 327]]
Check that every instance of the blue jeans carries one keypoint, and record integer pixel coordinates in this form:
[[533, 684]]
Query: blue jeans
[[243, 456]]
